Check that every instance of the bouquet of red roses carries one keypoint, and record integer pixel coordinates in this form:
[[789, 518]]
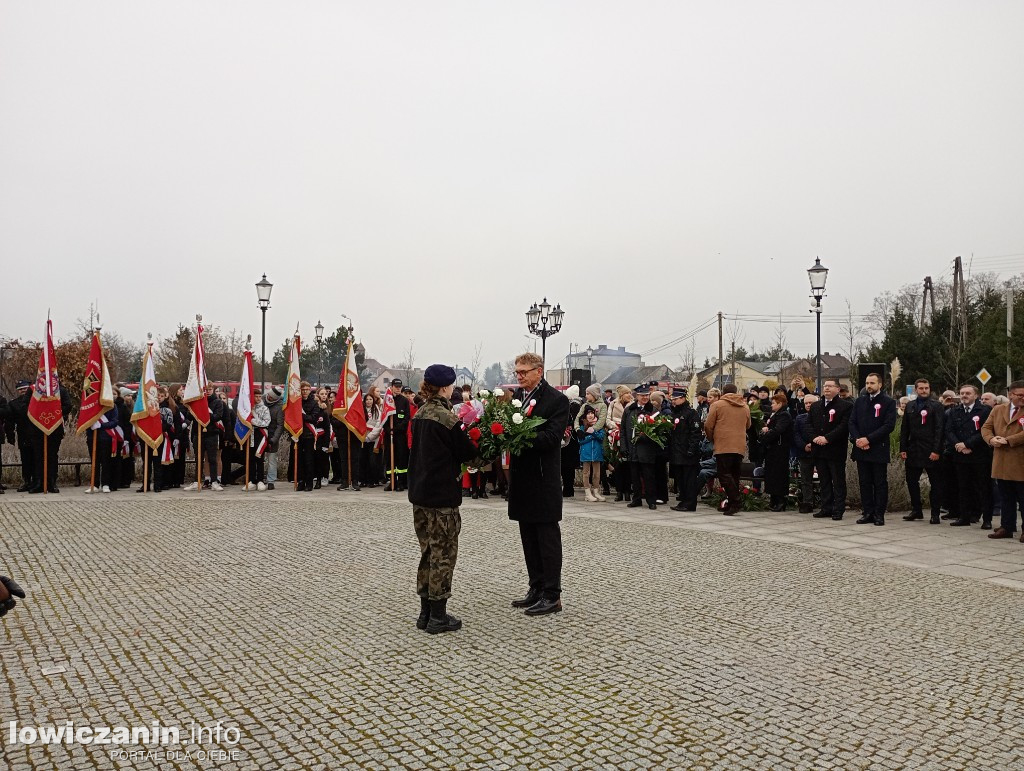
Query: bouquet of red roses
[[654, 427], [505, 426]]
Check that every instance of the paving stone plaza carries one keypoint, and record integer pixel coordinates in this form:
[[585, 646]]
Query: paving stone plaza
[[687, 640]]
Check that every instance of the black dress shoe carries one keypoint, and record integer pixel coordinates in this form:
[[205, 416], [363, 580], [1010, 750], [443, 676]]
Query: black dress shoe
[[912, 516], [880, 521], [475, 496], [867, 519], [652, 506], [270, 485], [634, 505], [544, 606], [530, 599], [986, 525], [34, 490], [780, 507], [24, 488], [55, 489], [483, 495], [961, 523], [948, 516], [934, 520], [821, 515], [356, 488], [620, 498], [837, 517], [681, 507]]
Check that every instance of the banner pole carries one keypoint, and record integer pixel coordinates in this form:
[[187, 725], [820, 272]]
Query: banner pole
[[348, 454], [391, 421], [92, 479], [247, 462], [199, 460], [145, 467], [295, 466], [46, 463]]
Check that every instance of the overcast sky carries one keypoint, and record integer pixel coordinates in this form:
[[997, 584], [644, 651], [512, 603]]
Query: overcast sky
[[432, 168]]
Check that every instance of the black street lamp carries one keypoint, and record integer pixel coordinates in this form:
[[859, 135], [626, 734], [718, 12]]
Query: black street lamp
[[537, 319], [263, 290], [818, 274], [319, 329]]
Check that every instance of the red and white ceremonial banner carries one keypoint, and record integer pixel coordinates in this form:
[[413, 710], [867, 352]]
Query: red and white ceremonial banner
[[146, 414], [97, 391], [195, 389], [44, 407], [348, 402], [387, 412], [293, 407], [243, 405]]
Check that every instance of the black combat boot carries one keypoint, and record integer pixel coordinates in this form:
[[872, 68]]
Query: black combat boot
[[440, 620], [421, 622]]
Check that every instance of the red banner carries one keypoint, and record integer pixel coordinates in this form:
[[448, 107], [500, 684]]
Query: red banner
[[97, 392], [44, 407]]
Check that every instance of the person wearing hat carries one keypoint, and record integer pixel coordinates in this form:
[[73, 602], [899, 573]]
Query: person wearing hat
[[275, 404], [684, 451], [642, 452], [17, 423], [396, 435], [125, 471], [440, 445]]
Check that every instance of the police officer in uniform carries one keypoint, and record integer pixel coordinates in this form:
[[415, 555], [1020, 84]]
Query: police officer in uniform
[[396, 430], [17, 414], [439, 448]]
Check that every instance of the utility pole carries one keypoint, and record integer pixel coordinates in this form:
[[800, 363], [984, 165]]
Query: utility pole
[[1009, 332], [928, 293], [721, 353]]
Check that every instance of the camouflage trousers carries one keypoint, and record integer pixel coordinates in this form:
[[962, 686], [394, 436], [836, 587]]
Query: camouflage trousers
[[438, 533]]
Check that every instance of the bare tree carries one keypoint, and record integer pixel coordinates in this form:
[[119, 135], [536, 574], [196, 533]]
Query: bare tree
[[853, 335], [689, 357], [408, 362], [475, 360]]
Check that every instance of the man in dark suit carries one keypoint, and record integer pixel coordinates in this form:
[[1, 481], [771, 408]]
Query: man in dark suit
[[921, 448], [871, 422], [830, 421], [535, 488], [971, 458]]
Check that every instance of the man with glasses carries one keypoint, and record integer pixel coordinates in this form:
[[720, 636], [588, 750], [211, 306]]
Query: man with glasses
[[535, 488], [1004, 433], [969, 485]]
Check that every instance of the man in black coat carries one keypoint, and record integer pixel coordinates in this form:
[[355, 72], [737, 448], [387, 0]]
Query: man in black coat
[[871, 422], [830, 421], [18, 422], [50, 446], [971, 459], [684, 450], [535, 488], [642, 452], [921, 448]]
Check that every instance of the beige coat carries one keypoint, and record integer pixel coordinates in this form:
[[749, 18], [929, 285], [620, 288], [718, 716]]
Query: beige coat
[[1008, 460], [727, 424], [614, 416]]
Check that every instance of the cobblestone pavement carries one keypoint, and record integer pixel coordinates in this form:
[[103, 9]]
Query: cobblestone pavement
[[290, 616]]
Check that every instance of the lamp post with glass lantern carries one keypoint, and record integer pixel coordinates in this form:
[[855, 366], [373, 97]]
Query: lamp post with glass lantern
[[538, 319], [263, 290], [319, 329], [818, 273]]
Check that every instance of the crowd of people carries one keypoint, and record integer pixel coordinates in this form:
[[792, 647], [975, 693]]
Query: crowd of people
[[325, 452], [797, 443]]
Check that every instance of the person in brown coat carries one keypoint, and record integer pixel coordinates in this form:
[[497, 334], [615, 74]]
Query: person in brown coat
[[1004, 433], [726, 428]]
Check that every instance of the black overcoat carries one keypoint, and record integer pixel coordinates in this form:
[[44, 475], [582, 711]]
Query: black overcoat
[[684, 442], [535, 476], [921, 432], [833, 423], [963, 426], [874, 420], [642, 450], [776, 445]]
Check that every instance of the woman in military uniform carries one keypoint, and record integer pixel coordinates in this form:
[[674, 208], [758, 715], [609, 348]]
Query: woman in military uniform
[[439, 448]]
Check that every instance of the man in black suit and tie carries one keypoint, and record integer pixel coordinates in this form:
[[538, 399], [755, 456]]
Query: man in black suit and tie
[[830, 421], [871, 422], [535, 488]]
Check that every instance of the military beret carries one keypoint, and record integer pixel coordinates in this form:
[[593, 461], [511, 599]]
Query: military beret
[[439, 375]]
